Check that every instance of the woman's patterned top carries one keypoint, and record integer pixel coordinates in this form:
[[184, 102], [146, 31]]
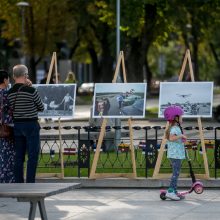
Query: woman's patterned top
[[6, 114]]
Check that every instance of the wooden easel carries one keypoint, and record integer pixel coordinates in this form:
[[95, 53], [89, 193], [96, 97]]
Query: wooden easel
[[156, 174], [60, 175], [93, 174]]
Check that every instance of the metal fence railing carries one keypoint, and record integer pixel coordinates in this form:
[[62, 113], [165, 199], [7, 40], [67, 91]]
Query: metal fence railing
[[79, 146]]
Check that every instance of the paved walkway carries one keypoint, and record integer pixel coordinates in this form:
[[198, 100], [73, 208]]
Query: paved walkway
[[119, 204]]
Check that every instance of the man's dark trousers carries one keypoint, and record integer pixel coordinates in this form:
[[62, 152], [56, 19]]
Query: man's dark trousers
[[27, 139]]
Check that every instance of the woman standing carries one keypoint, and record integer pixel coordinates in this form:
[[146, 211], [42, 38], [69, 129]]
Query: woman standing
[[7, 151], [70, 78]]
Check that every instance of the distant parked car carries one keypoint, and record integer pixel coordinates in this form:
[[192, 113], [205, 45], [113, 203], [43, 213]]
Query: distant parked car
[[136, 108], [130, 99], [86, 88]]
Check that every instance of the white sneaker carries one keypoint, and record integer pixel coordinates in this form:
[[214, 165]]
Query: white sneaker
[[180, 196], [172, 195]]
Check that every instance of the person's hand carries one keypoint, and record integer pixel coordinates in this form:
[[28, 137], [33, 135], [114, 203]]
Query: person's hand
[[28, 82], [184, 136]]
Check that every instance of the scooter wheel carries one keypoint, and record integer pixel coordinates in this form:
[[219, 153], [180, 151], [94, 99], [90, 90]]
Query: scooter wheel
[[163, 196], [198, 189]]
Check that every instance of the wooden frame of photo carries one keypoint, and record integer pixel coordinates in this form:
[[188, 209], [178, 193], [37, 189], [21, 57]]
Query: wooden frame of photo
[[61, 174], [156, 174], [93, 174]]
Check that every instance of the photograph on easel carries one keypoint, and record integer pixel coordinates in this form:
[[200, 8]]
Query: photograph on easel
[[58, 100], [119, 100], [195, 98]]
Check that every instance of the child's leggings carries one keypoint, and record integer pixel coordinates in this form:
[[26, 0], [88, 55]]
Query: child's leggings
[[176, 166]]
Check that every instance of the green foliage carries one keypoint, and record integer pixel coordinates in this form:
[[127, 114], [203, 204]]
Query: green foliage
[[105, 12], [46, 22], [90, 26], [151, 113]]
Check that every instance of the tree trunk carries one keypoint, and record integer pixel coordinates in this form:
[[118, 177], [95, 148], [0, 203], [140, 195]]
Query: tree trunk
[[33, 69], [185, 38], [106, 65], [195, 45], [103, 65], [31, 45], [149, 74], [148, 38], [95, 65], [215, 55], [103, 69], [134, 62], [138, 49], [195, 57]]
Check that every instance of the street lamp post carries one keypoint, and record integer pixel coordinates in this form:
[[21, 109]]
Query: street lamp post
[[22, 6], [118, 31], [117, 120]]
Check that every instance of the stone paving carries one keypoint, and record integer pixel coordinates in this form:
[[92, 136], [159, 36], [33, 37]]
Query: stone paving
[[122, 203], [118, 204]]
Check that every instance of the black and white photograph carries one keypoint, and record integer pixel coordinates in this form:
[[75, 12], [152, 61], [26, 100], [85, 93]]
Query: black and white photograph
[[119, 100], [58, 100], [195, 98]]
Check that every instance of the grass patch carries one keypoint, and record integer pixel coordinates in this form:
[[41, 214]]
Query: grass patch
[[114, 162], [151, 112], [84, 100], [216, 90]]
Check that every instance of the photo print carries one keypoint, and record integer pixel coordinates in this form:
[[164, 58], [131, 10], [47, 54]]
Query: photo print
[[58, 100], [195, 98], [119, 100]]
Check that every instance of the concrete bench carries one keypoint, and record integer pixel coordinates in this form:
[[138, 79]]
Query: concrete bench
[[35, 193]]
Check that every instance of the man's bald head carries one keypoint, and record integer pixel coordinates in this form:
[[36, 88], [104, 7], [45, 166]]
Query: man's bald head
[[20, 70]]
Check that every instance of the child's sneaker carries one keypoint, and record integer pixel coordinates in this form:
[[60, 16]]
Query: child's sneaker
[[179, 195], [172, 196]]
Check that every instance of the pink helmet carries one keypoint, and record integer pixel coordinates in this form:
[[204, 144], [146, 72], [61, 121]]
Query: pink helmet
[[172, 111]]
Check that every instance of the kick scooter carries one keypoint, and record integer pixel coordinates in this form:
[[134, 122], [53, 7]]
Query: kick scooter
[[197, 186]]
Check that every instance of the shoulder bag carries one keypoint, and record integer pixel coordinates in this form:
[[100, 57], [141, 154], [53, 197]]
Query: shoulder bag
[[6, 131]]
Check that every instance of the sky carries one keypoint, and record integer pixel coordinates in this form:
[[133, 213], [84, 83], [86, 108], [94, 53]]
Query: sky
[[186, 91], [120, 87]]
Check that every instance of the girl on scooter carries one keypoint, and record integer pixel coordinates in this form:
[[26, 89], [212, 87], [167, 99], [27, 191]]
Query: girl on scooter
[[175, 146]]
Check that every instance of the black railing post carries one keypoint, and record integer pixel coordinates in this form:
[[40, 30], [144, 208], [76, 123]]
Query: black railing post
[[88, 150], [78, 128], [146, 128], [146, 137], [215, 153]]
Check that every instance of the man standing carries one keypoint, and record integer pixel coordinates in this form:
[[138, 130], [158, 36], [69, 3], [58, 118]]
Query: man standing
[[120, 101], [67, 102], [25, 102]]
